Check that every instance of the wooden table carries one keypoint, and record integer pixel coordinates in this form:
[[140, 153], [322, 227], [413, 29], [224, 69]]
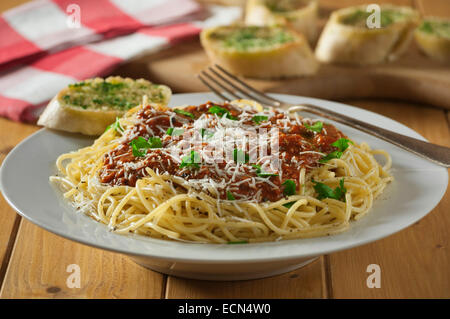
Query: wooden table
[[415, 263]]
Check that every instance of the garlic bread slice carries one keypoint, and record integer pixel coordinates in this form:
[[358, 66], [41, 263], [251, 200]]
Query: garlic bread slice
[[88, 107], [433, 38], [300, 15], [348, 39], [259, 51]]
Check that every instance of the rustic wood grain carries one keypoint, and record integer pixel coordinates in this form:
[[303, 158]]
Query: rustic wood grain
[[301, 283], [437, 8], [330, 5], [38, 269], [8, 4], [414, 262], [11, 133]]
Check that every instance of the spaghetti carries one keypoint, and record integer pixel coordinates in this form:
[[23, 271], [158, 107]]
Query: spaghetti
[[223, 173]]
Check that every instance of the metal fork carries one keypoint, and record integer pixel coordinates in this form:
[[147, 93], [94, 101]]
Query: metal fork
[[222, 82]]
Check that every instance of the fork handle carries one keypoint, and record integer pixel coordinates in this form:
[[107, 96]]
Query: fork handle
[[435, 153]]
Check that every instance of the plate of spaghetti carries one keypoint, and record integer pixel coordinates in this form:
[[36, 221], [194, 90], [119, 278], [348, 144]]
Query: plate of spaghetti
[[222, 190]]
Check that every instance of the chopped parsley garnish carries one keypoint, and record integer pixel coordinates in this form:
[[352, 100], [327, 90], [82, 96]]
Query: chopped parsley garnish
[[260, 173], [122, 103], [316, 127], [426, 27], [140, 145], [237, 242], [172, 131], [107, 86], [155, 142], [185, 113], [259, 118], [387, 17], [289, 187], [248, 37], [191, 161], [77, 85], [335, 154], [440, 28], [325, 191], [115, 93], [288, 205], [240, 156], [230, 196], [342, 144], [116, 126], [220, 111], [205, 133]]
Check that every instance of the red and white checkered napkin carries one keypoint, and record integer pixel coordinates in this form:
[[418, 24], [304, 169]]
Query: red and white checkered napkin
[[41, 52]]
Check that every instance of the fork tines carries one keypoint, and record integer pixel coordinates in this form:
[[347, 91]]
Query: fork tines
[[228, 86]]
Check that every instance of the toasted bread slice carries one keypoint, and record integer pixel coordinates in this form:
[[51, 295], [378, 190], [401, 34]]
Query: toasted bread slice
[[433, 38], [348, 39], [300, 15], [259, 52], [89, 106]]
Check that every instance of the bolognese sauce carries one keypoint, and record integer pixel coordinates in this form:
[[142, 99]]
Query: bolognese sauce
[[301, 143]]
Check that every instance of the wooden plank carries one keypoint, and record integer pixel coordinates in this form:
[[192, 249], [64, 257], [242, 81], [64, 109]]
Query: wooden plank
[[11, 133], [437, 8], [9, 4], [329, 5], [414, 262], [306, 282], [448, 118], [38, 269]]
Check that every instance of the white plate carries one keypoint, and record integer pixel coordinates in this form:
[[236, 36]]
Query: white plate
[[24, 178]]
